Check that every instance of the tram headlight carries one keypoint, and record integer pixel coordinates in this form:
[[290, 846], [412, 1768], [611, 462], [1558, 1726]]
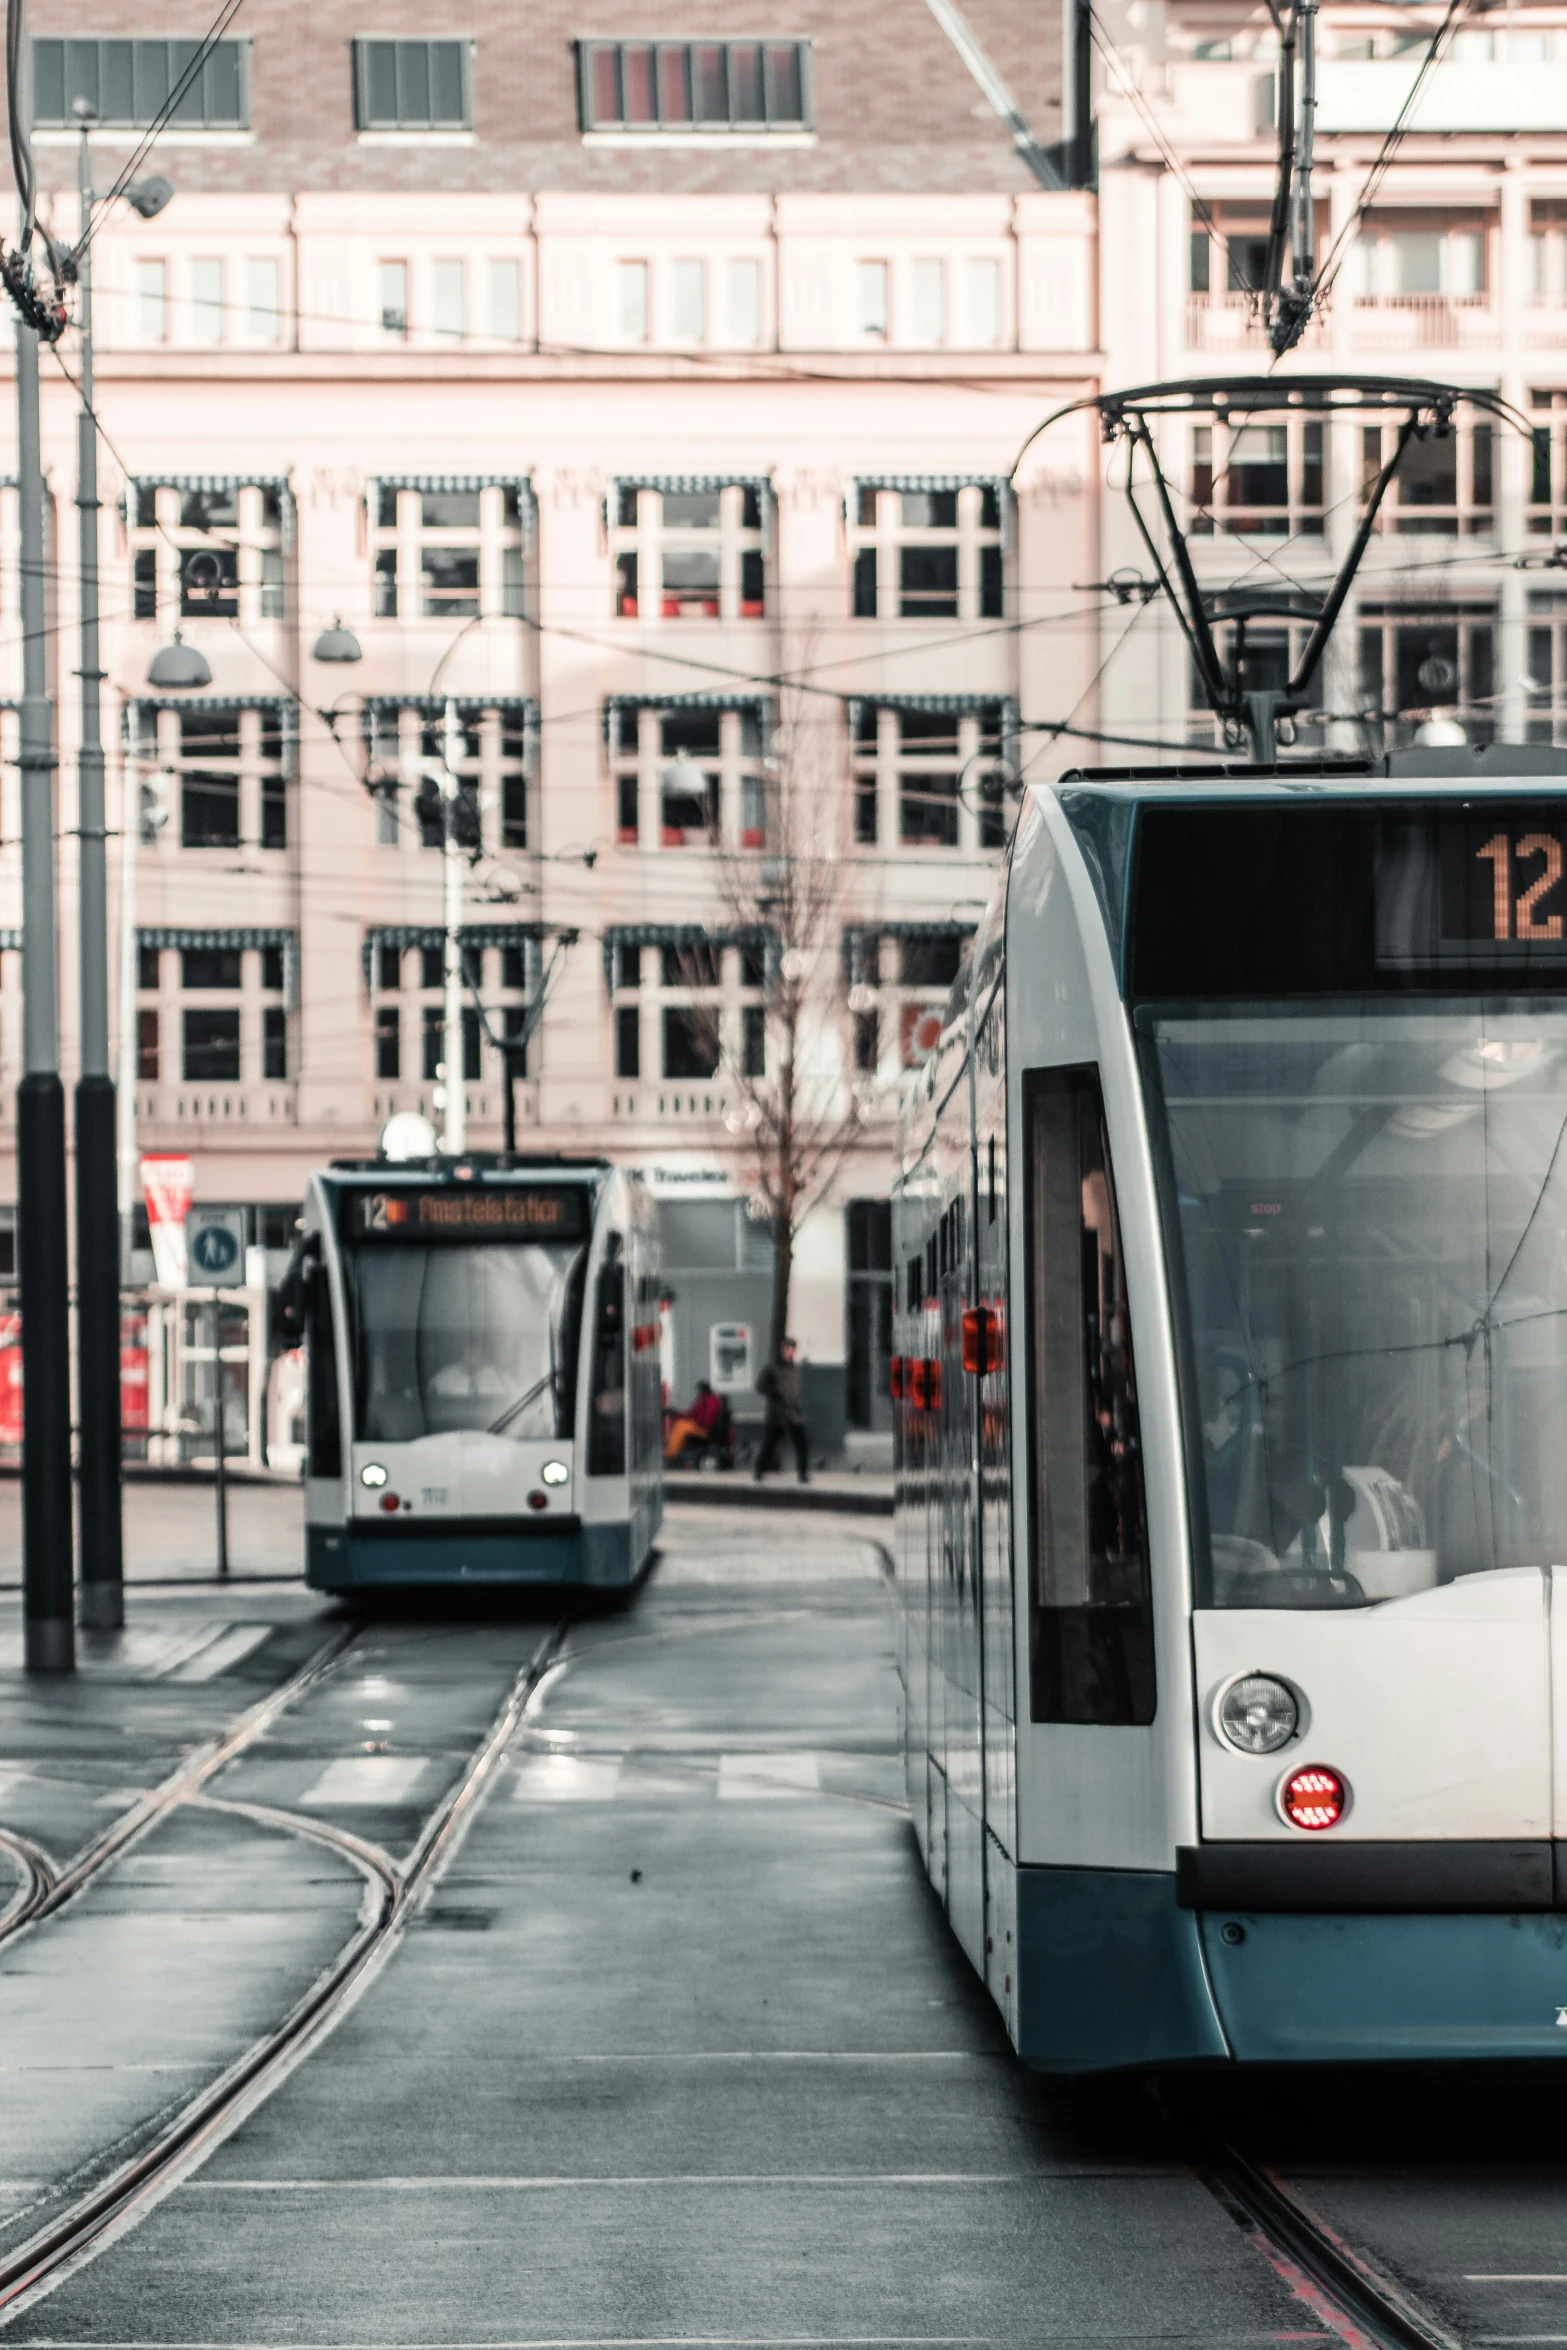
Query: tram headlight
[[372, 1474], [555, 1473], [1258, 1715]]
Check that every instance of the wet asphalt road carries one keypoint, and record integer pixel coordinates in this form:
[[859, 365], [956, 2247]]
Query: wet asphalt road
[[678, 2050]]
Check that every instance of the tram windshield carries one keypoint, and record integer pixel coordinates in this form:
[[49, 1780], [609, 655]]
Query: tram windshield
[[1367, 1210], [453, 1337]]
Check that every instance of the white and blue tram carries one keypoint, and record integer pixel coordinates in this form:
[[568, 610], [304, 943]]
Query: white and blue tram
[[484, 1400], [1231, 1380]]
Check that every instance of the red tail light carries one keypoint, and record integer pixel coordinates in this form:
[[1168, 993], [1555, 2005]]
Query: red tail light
[[895, 1379], [933, 1385], [980, 1347], [1314, 1797], [917, 1385]]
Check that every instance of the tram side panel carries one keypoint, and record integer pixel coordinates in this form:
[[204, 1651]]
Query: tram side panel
[[953, 1428], [994, 1512], [1110, 1967], [908, 1257]]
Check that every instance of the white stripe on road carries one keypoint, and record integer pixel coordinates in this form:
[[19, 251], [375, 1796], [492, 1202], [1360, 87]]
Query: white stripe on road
[[368, 1779], [762, 1778], [224, 1650]]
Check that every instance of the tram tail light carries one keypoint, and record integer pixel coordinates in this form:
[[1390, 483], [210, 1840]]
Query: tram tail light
[[1314, 1797], [933, 1385], [895, 1379], [915, 1385], [981, 1340]]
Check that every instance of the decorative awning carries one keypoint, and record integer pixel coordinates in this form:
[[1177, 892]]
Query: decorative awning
[[459, 485], [684, 937], [998, 482], [1002, 707], [860, 941], [287, 940], [744, 697], [691, 485], [211, 485], [282, 707], [472, 936]]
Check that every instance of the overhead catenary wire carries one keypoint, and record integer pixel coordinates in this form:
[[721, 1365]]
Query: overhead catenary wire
[[1333, 259]]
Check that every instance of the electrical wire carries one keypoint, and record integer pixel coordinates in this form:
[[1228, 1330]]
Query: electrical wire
[[219, 26], [1333, 259]]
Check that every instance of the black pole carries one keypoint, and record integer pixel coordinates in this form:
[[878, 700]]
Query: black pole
[[98, 1354], [48, 1544], [97, 1202], [1082, 94], [220, 1481], [509, 1102]]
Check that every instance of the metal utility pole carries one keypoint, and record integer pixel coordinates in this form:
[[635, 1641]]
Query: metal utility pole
[[455, 1123], [49, 1632], [97, 1210]]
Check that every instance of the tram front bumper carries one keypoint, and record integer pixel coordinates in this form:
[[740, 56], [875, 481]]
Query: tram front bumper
[[361, 1556]]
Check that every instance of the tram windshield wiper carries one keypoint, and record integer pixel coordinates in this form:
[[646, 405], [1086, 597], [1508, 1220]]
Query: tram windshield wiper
[[498, 1427]]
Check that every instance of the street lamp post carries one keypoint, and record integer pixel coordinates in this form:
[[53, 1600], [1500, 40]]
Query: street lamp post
[[97, 1215], [454, 1122]]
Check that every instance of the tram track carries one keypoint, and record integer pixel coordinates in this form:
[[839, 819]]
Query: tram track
[[394, 1891], [1361, 2304], [46, 1885]]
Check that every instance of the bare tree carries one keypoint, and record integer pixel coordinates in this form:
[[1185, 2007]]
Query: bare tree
[[798, 1108]]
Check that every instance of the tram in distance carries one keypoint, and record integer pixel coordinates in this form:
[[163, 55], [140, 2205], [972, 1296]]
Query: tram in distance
[[484, 1401], [1230, 1372]]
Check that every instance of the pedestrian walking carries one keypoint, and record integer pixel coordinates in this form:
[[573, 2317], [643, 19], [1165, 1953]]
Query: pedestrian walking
[[779, 1386]]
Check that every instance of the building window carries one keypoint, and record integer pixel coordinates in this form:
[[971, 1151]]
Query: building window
[[870, 293], [982, 294], [628, 1041], [207, 551], [393, 281], [1445, 485], [1546, 721], [147, 1045], [230, 1017], [505, 300], [1421, 261], [409, 998], [263, 299], [492, 759], [206, 301], [1258, 480], [926, 554], [152, 301], [899, 983], [232, 767], [743, 285], [412, 85], [448, 309], [930, 301], [1416, 661], [701, 549], [907, 765], [449, 553], [128, 84], [1548, 470], [696, 768], [631, 282], [710, 86], [688, 300]]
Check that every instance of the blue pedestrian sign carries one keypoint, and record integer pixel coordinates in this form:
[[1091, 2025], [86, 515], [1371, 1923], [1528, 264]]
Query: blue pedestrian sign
[[215, 1239]]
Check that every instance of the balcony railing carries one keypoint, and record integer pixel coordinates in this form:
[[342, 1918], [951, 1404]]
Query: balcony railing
[[216, 1105], [1426, 322], [687, 1102], [1231, 322]]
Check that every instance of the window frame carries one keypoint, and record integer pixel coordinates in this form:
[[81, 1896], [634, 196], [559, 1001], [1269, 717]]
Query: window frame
[[687, 122], [368, 123], [877, 536], [236, 53]]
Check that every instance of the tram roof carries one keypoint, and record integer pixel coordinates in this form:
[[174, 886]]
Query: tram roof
[[472, 1167], [1425, 768]]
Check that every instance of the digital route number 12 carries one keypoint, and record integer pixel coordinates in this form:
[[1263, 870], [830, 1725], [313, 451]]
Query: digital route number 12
[[1518, 919]]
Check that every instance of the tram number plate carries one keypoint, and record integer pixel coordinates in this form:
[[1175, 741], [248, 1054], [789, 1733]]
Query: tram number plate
[[537, 1212], [1485, 889]]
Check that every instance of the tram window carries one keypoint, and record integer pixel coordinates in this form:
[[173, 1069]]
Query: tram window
[[1091, 1611], [607, 1402]]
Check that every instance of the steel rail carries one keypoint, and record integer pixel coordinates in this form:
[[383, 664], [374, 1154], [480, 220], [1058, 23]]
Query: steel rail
[[47, 1885], [121, 2198], [1364, 2305]]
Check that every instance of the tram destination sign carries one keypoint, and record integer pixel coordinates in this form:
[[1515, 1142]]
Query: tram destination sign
[[1349, 897], [503, 1212]]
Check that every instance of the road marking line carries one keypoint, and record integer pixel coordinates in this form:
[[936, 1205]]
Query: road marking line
[[370, 1779], [549, 2181], [765, 1778], [224, 1650], [567, 1778]]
